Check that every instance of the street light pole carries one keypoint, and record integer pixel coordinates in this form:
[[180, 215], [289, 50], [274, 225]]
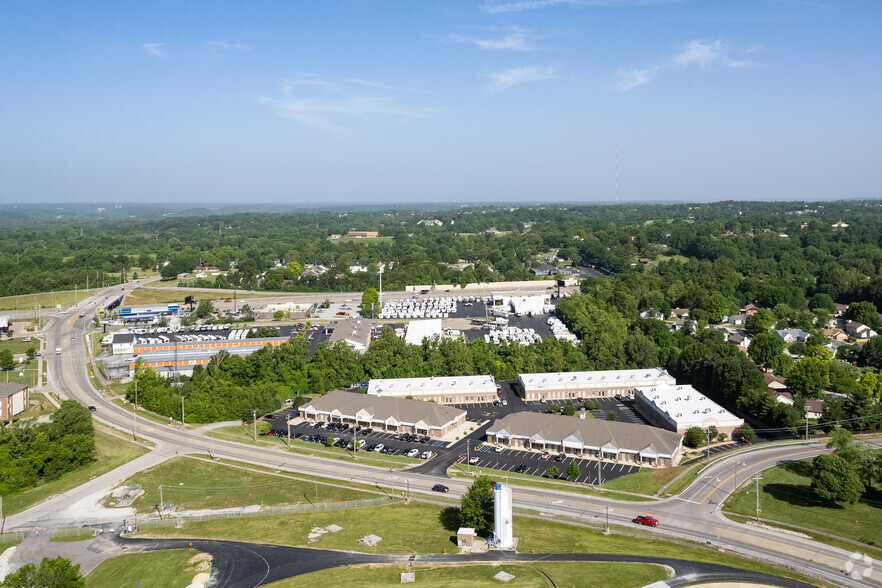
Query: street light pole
[[408, 488], [289, 433], [607, 519], [182, 411], [254, 420]]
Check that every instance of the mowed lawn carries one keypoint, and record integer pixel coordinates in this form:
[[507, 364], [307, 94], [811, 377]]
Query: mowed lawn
[[110, 453], [786, 495], [154, 569], [430, 529], [539, 575], [647, 481], [192, 483]]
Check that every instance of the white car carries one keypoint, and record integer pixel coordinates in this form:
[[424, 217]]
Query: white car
[[379, 448], [413, 453], [426, 455], [474, 460], [499, 448]]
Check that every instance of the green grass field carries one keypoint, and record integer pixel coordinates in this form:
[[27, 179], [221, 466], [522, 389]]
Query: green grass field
[[43, 406], [16, 345], [44, 299], [153, 569], [72, 538], [540, 575], [110, 452], [199, 484], [152, 295], [24, 373], [435, 531], [647, 481], [786, 495]]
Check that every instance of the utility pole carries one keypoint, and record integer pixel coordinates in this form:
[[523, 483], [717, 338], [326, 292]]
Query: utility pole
[[254, 414], [182, 410], [806, 423], [160, 497], [599, 470], [289, 433], [468, 457], [607, 519], [708, 443], [134, 410], [316, 492], [355, 438]]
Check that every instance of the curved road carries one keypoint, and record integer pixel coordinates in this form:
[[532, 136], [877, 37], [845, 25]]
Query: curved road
[[693, 515]]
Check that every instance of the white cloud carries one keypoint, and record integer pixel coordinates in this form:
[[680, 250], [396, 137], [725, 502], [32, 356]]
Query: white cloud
[[517, 39], [328, 105], [698, 53], [154, 49], [222, 46], [504, 80]]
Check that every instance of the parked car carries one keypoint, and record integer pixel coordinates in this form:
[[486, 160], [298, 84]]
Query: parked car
[[646, 520], [379, 448], [521, 468], [413, 453], [440, 488], [499, 448], [474, 460], [560, 457], [545, 455], [92, 408]]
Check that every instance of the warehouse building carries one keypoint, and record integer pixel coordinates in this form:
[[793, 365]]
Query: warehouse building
[[390, 415], [571, 385], [430, 329], [168, 361], [620, 442], [356, 333], [445, 390], [14, 399], [677, 408]]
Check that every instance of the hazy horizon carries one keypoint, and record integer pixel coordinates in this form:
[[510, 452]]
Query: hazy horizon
[[475, 102]]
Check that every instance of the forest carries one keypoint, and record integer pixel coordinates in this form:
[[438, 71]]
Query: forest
[[43, 452]]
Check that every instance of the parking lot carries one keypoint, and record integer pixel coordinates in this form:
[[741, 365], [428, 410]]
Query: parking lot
[[532, 463], [391, 445]]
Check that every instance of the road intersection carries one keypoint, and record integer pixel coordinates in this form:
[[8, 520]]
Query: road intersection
[[694, 514]]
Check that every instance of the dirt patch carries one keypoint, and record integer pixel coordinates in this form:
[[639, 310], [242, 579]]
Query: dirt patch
[[202, 579], [200, 557]]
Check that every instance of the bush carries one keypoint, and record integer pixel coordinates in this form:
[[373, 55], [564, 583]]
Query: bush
[[694, 437], [611, 415]]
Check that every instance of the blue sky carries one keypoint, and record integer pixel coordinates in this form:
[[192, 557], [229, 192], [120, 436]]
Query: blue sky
[[339, 101]]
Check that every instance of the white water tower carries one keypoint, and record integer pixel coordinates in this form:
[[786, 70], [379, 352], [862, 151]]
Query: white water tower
[[502, 519]]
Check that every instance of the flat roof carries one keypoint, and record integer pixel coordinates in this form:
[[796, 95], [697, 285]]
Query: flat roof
[[685, 406], [419, 330], [431, 385], [563, 380], [395, 411], [573, 432]]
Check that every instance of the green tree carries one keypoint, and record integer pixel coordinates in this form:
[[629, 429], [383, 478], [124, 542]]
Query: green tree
[[51, 573], [871, 354], [822, 300], [809, 378], [554, 407], [30, 352], [744, 433], [247, 313], [476, 505], [759, 322], [694, 437], [611, 415], [205, 308], [835, 479], [863, 312], [553, 471], [764, 348], [6, 360], [370, 303], [278, 315], [569, 409], [573, 471]]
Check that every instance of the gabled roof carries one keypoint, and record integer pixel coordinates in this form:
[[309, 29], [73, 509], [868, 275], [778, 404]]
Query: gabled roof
[[592, 433], [8, 389], [379, 408]]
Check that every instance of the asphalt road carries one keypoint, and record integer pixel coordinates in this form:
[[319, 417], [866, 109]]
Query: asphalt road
[[247, 565], [694, 515]]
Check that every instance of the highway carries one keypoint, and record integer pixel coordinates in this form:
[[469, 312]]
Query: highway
[[693, 515]]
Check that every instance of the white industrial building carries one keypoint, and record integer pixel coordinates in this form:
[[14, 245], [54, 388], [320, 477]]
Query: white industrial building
[[564, 385], [425, 329], [679, 408], [502, 517], [531, 305], [444, 390]]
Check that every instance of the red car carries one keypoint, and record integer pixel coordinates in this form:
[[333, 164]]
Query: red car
[[647, 520]]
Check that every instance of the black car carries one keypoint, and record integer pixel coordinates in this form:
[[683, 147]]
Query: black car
[[560, 457], [440, 488], [521, 468], [92, 408]]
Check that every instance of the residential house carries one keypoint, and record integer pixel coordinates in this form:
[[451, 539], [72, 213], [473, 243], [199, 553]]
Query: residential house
[[14, 399], [682, 324], [835, 334], [208, 269], [859, 330], [814, 408], [355, 268], [363, 234], [651, 314], [738, 319], [4, 324], [679, 313], [791, 335], [356, 333], [739, 339], [751, 309], [839, 309], [313, 270]]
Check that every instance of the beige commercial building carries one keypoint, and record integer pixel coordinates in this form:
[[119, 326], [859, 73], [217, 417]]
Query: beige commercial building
[[620, 442], [14, 399], [678, 408], [392, 415], [571, 385], [444, 390]]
